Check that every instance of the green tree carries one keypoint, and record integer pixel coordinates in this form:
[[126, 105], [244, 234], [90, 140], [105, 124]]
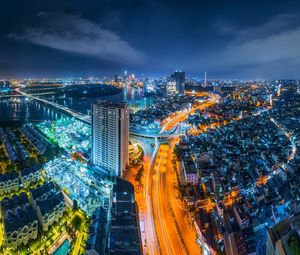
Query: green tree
[[75, 205], [76, 222], [294, 244]]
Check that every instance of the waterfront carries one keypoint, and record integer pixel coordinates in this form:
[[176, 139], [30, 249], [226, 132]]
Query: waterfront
[[149, 128], [17, 110]]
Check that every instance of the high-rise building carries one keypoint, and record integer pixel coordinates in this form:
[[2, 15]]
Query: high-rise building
[[241, 242], [118, 78], [145, 85], [110, 134], [171, 87], [179, 78]]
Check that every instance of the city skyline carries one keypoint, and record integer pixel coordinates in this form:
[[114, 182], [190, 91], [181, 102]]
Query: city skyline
[[181, 166], [244, 40], [150, 127]]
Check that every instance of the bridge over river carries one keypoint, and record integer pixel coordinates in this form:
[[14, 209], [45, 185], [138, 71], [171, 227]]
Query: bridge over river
[[88, 120]]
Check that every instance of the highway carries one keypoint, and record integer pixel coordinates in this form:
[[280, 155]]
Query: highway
[[163, 221], [163, 218], [172, 228], [87, 118], [188, 233], [166, 231], [143, 198], [183, 115]]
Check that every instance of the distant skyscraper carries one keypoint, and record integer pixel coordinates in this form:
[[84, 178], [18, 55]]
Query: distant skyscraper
[[125, 75], [171, 87], [110, 134], [118, 78], [145, 85], [179, 78]]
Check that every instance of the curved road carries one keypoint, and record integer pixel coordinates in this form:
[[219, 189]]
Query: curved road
[[87, 118], [172, 228], [163, 221]]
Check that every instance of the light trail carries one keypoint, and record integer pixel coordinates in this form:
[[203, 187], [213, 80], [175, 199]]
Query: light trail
[[158, 207], [88, 120], [169, 241], [183, 115], [149, 240], [288, 136], [165, 222]]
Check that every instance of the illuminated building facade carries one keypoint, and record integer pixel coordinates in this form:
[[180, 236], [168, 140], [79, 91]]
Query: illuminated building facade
[[179, 78], [9, 182], [20, 223], [110, 132], [50, 210], [29, 176], [171, 88]]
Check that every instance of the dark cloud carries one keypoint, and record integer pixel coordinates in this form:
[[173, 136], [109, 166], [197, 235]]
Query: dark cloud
[[228, 39], [72, 33], [281, 46], [273, 25], [270, 49]]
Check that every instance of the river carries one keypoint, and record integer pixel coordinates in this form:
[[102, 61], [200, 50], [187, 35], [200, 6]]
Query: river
[[16, 110]]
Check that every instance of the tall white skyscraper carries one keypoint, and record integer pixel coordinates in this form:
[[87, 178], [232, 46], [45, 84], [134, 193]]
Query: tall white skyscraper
[[110, 134]]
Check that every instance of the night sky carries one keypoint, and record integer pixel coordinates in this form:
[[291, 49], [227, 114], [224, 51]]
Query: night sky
[[246, 39]]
